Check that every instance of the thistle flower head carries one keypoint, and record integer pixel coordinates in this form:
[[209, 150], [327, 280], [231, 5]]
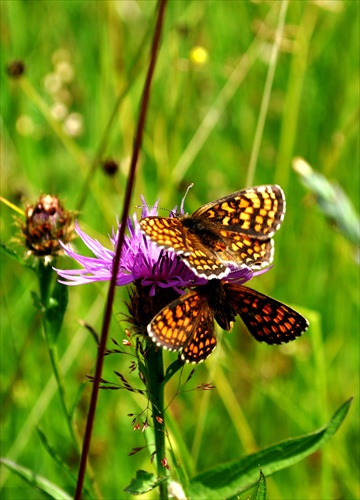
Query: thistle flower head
[[46, 223], [141, 261]]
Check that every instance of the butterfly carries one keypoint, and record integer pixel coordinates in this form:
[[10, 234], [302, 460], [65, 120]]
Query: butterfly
[[235, 230], [187, 323]]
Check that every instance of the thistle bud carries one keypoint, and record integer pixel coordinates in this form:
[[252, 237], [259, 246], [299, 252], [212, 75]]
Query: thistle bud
[[47, 222]]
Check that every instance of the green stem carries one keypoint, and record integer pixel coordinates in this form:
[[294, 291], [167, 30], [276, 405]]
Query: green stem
[[155, 378], [54, 358], [45, 275], [51, 329]]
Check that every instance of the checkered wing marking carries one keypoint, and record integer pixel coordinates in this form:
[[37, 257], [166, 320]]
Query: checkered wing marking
[[235, 229], [242, 249], [186, 324], [267, 319], [257, 212], [169, 232]]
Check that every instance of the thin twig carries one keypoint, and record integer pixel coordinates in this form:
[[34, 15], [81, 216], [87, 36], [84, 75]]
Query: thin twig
[[111, 292]]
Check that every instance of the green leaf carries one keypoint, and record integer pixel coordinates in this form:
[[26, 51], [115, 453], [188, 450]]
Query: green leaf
[[261, 490], [172, 369], [233, 478], [143, 482], [37, 301], [36, 481], [11, 253], [60, 461]]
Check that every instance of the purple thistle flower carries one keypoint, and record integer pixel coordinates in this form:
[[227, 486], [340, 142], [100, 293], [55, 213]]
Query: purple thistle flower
[[242, 275], [141, 260]]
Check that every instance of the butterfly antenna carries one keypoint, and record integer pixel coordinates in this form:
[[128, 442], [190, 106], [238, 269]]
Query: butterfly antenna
[[183, 200], [152, 206]]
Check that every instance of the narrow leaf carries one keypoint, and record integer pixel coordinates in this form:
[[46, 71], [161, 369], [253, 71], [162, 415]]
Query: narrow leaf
[[54, 455], [233, 478], [59, 460], [37, 301], [143, 482], [172, 369], [11, 253], [261, 490], [37, 482]]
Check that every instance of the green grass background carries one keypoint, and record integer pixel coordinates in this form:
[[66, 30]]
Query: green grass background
[[263, 394]]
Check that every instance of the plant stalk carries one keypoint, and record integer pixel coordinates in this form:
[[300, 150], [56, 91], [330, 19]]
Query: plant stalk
[[155, 379]]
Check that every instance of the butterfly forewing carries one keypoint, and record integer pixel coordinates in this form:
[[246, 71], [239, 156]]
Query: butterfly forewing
[[166, 232], [257, 212], [186, 324], [267, 319]]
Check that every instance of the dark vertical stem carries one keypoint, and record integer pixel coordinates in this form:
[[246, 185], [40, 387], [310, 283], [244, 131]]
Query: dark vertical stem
[[155, 377], [111, 292]]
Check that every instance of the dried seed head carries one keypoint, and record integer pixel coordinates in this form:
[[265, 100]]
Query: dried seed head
[[110, 167], [46, 223], [15, 68]]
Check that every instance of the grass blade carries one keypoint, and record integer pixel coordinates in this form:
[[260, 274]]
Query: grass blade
[[36, 481]]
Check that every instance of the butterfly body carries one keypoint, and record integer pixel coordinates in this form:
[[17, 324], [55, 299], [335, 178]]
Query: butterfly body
[[205, 231], [233, 231], [187, 323], [216, 298]]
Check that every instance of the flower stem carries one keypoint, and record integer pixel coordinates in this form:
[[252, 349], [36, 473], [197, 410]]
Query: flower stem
[[155, 379], [45, 275]]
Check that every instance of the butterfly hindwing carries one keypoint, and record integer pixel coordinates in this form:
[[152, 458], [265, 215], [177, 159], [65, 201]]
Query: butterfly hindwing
[[267, 319], [242, 249]]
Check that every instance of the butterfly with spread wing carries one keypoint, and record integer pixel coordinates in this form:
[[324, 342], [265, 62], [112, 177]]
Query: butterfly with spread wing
[[187, 323], [235, 230]]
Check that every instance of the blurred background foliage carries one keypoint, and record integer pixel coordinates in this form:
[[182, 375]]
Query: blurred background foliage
[[85, 63]]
